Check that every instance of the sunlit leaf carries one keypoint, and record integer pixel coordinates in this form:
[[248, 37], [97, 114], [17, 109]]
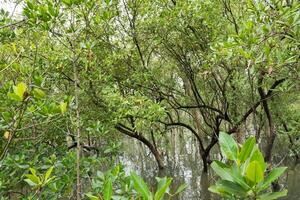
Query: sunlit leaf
[[218, 189], [63, 107], [20, 89], [48, 173], [30, 182], [254, 172], [231, 188], [140, 186], [92, 197], [247, 149], [108, 190], [33, 178], [15, 97], [272, 176], [273, 195], [38, 93], [7, 135], [181, 188], [33, 171], [163, 186], [258, 156], [228, 146], [222, 171]]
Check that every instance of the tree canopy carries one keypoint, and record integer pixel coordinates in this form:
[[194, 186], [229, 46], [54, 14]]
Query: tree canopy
[[80, 74]]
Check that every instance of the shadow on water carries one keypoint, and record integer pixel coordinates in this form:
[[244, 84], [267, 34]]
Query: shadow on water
[[184, 165]]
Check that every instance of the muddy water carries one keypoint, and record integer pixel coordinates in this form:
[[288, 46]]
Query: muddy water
[[184, 165]]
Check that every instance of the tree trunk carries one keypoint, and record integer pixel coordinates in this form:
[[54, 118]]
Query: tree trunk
[[131, 133], [272, 131], [157, 155], [158, 159], [78, 133], [205, 183], [205, 164]]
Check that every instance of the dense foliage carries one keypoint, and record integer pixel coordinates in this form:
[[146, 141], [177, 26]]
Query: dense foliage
[[244, 177], [76, 76]]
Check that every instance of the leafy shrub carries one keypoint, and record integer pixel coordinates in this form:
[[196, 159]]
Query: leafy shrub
[[114, 184], [245, 175]]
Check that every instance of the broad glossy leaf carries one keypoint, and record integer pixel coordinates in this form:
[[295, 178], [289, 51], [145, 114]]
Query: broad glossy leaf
[[67, 2], [33, 178], [273, 195], [30, 182], [20, 89], [232, 188], [247, 149], [63, 107], [33, 171], [15, 97], [48, 173], [7, 135], [218, 189], [163, 186], [38, 93], [272, 176], [140, 186], [116, 170], [254, 172], [181, 188], [49, 180], [228, 146], [92, 197], [258, 156], [108, 190], [238, 178], [222, 171]]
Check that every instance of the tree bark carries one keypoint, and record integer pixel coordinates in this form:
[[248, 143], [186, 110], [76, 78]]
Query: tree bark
[[214, 138], [78, 133], [272, 130], [131, 133]]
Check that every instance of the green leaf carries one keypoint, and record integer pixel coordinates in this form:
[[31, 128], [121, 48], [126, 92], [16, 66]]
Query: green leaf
[[228, 146], [254, 172], [163, 186], [231, 188], [20, 89], [30, 182], [68, 2], [238, 178], [221, 170], [29, 4], [33, 171], [140, 186], [15, 97], [92, 197], [63, 107], [180, 188], [273, 195], [48, 173], [218, 189], [38, 93], [258, 156], [6, 116], [272, 176], [231, 174], [107, 1], [49, 180], [38, 80], [33, 178], [247, 149], [108, 190]]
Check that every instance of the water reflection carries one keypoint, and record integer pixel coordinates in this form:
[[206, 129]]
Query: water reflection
[[184, 165]]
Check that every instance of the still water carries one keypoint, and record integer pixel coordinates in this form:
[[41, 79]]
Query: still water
[[184, 166]]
